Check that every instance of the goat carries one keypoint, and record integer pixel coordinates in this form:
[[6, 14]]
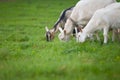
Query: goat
[[81, 14], [105, 19]]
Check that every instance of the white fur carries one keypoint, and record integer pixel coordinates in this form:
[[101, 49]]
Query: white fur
[[82, 13], [105, 18]]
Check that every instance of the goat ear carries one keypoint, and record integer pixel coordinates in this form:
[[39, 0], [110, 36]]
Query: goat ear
[[80, 29], [46, 28], [65, 32], [60, 29]]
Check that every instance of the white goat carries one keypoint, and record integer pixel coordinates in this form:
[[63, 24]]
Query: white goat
[[81, 14], [105, 18]]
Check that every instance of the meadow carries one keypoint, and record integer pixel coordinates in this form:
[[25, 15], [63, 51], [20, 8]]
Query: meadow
[[26, 55]]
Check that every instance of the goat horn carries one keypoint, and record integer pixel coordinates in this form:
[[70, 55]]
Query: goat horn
[[60, 29], [46, 28]]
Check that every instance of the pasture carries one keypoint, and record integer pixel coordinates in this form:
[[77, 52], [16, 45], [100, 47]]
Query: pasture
[[26, 55]]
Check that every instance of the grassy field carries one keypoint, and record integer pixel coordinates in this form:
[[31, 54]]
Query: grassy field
[[25, 54]]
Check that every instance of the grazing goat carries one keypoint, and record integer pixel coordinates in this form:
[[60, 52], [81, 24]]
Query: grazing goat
[[105, 18], [81, 14], [60, 23]]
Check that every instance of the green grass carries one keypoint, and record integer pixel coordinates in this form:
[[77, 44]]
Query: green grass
[[25, 54]]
